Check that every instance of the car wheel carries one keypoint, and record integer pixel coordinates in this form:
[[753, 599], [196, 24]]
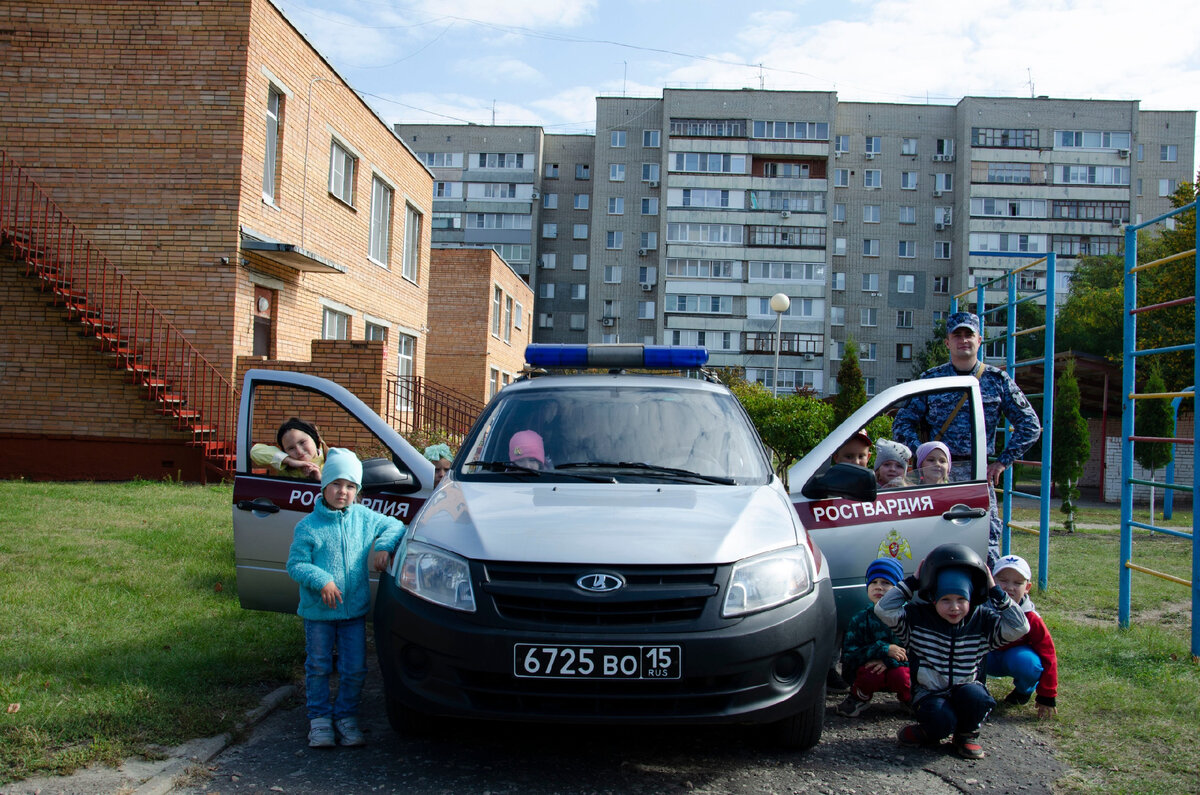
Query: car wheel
[[802, 730]]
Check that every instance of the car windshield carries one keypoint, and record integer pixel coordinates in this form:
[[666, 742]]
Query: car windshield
[[623, 433]]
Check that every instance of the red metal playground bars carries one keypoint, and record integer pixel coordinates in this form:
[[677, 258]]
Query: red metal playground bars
[[128, 329]]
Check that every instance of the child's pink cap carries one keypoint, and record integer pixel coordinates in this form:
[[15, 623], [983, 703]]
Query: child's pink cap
[[526, 444]]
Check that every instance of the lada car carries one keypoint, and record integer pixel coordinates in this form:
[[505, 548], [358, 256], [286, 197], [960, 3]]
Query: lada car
[[612, 546]]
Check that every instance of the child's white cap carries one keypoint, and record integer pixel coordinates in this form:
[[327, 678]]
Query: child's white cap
[[1013, 562]]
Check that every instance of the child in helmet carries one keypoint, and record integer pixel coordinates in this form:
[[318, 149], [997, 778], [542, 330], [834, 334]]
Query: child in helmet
[[1031, 661], [948, 617], [871, 658]]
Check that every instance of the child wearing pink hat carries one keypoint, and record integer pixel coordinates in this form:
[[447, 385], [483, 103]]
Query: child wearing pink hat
[[526, 449], [933, 462]]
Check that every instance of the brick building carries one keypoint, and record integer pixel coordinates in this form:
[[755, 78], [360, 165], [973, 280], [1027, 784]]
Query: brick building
[[212, 155], [472, 352]]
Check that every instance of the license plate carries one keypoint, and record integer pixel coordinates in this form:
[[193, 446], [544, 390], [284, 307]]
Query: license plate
[[596, 662]]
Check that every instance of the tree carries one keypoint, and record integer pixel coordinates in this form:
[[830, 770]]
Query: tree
[[791, 424], [1153, 418], [934, 353], [1071, 446], [1087, 320], [852, 393]]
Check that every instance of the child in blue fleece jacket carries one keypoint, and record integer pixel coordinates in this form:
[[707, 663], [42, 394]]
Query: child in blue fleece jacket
[[328, 558]]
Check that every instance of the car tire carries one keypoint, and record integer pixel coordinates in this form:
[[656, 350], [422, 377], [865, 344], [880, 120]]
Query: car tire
[[802, 730]]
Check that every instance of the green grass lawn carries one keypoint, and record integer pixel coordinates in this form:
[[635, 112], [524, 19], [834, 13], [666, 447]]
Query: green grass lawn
[[122, 631], [1129, 699], [122, 634]]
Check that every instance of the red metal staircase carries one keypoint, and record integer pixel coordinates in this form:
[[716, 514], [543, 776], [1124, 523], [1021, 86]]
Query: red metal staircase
[[135, 336]]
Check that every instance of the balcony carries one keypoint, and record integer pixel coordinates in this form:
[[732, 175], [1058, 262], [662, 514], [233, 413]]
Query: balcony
[[791, 343]]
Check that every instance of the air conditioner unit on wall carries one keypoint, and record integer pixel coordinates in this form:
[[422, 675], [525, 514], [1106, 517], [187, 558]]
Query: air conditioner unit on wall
[[947, 158], [870, 155], [1122, 153], [937, 158], [1117, 222], [647, 286], [808, 357], [653, 183], [642, 252], [785, 213], [939, 226], [607, 321]]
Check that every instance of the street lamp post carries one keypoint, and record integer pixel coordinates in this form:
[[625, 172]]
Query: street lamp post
[[780, 303]]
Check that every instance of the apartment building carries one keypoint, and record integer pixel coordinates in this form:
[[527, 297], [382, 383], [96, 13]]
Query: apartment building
[[870, 217]]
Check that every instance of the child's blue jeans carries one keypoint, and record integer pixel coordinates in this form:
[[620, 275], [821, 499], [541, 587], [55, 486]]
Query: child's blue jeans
[[349, 637], [1021, 663], [959, 711]]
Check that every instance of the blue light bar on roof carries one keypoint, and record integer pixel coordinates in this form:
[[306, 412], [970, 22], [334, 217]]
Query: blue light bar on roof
[[653, 357]]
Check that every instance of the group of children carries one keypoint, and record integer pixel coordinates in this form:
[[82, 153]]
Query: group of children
[[892, 458], [931, 637], [928, 638]]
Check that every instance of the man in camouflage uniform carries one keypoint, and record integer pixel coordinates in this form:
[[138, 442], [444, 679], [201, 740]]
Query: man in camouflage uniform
[[1000, 395]]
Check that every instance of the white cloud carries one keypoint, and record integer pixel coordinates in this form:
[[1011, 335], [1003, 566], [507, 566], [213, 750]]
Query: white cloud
[[525, 13], [498, 70]]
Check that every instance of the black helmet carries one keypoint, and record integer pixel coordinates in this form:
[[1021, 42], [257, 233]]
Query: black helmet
[[957, 556]]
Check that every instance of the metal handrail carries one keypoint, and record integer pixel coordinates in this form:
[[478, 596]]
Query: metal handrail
[[188, 387]]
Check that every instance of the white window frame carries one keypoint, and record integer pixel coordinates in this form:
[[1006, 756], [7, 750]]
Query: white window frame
[[380, 242], [616, 139], [343, 171], [410, 268], [616, 172], [275, 104]]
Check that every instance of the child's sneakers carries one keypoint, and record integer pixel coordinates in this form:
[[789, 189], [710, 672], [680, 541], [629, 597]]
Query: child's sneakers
[[967, 746], [852, 706], [913, 735], [1018, 698], [349, 733], [320, 733]]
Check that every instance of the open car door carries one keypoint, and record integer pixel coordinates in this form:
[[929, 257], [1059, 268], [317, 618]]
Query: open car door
[[397, 478], [904, 521]]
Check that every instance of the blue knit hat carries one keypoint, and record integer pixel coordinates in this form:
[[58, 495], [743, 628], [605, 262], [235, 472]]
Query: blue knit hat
[[341, 464], [953, 581], [885, 568]]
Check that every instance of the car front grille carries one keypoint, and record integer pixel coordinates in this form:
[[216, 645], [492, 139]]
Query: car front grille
[[548, 594]]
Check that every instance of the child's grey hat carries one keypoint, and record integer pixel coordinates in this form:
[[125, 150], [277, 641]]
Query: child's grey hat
[[888, 450]]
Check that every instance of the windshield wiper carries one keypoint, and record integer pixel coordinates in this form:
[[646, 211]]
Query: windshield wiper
[[509, 468], [649, 470]]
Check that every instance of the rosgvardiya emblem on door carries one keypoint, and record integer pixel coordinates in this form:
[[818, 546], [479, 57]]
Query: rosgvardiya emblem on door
[[894, 545]]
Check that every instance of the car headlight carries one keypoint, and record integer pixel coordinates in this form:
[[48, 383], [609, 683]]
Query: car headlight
[[437, 576], [768, 580]]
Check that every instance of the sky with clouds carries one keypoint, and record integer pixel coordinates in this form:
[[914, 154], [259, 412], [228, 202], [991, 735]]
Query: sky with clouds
[[544, 62]]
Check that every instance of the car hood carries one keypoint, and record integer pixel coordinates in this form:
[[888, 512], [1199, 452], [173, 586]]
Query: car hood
[[607, 523]]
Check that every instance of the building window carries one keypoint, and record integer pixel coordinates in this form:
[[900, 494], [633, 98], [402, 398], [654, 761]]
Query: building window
[[612, 274], [579, 262], [907, 249], [904, 318], [549, 231], [650, 172], [908, 215], [868, 316], [869, 385], [271, 155], [381, 221], [645, 310], [908, 180], [405, 347], [839, 213], [941, 249], [841, 178], [616, 139], [943, 183], [508, 318], [650, 138], [546, 290], [904, 352], [578, 321], [334, 325], [837, 315], [578, 292], [1166, 187], [905, 283], [871, 213], [648, 240], [583, 171], [872, 178], [870, 248], [839, 280], [614, 239], [867, 352], [497, 303], [874, 145], [870, 282], [941, 285], [410, 268], [551, 171], [581, 201], [579, 231], [1004, 138], [550, 201], [549, 260], [841, 143], [908, 146], [616, 172], [649, 205], [944, 148], [545, 320], [616, 205], [839, 246], [342, 166], [501, 160]]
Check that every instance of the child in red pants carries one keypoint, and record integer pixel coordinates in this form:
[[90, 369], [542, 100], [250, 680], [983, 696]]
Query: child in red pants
[[870, 654]]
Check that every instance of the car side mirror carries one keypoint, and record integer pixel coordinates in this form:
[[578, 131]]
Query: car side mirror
[[842, 480], [382, 474]]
